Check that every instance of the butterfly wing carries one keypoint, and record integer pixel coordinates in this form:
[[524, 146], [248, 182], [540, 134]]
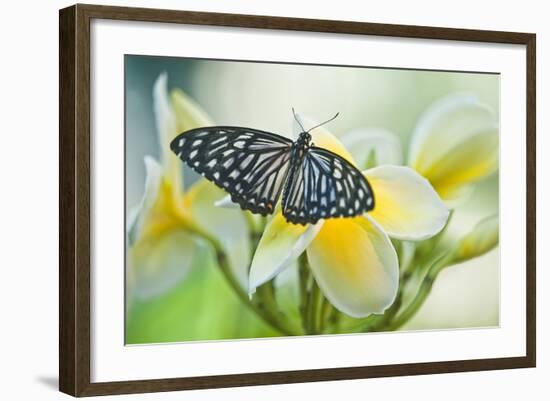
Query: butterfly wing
[[325, 185], [249, 164]]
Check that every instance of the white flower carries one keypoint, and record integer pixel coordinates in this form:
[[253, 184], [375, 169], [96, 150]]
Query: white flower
[[454, 145], [161, 240]]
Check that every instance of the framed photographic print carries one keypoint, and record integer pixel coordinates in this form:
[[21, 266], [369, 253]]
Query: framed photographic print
[[251, 200]]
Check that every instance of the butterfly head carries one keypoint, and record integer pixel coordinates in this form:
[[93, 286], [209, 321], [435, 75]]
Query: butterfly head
[[304, 139], [305, 134]]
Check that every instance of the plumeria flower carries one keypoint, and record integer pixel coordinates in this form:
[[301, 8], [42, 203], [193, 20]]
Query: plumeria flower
[[352, 259], [161, 240], [372, 147], [455, 145]]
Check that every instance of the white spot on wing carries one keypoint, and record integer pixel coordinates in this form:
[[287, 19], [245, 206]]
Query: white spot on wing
[[218, 140], [228, 163], [246, 161], [323, 183]]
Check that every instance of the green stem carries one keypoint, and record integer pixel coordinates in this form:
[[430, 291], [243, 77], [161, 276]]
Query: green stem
[[304, 276], [311, 299], [326, 309], [268, 302], [370, 324], [261, 309], [332, 324], [221, 258], [312, 308], [423, 292], [414, 306]]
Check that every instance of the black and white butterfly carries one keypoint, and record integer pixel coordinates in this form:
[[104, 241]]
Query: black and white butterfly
[[255, 167]]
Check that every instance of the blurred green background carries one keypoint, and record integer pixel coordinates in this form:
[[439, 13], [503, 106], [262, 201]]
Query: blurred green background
[[260, 95]]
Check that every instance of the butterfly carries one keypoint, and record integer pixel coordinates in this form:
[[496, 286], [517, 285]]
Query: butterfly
[[256, 166]]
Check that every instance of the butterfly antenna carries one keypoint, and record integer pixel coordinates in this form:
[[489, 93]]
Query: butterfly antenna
[[298, 120], [326, 122]]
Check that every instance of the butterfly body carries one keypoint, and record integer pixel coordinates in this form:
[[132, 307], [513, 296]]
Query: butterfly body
[[297, 155], [255, 167]]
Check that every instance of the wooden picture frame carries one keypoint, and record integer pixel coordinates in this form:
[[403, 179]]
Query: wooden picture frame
[[75, 200]]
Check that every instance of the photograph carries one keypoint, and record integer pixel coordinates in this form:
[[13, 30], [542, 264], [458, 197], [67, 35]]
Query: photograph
[[267, 199], [273, 201]]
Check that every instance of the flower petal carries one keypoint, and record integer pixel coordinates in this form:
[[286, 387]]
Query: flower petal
[[166, 123], [406, 205], [138, 215], [160, 247], [229, 226], [469, 162], [227, 203], [255, 221], [454, 197], [160, 262], [455, 143], [188, 113], [174, 114], [382, 145], [355, 265], [280, 245]]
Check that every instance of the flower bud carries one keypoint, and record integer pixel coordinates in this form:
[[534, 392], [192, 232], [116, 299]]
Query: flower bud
[[480, 240]]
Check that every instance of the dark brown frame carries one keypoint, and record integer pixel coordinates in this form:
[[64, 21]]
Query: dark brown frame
[[74, 199]]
